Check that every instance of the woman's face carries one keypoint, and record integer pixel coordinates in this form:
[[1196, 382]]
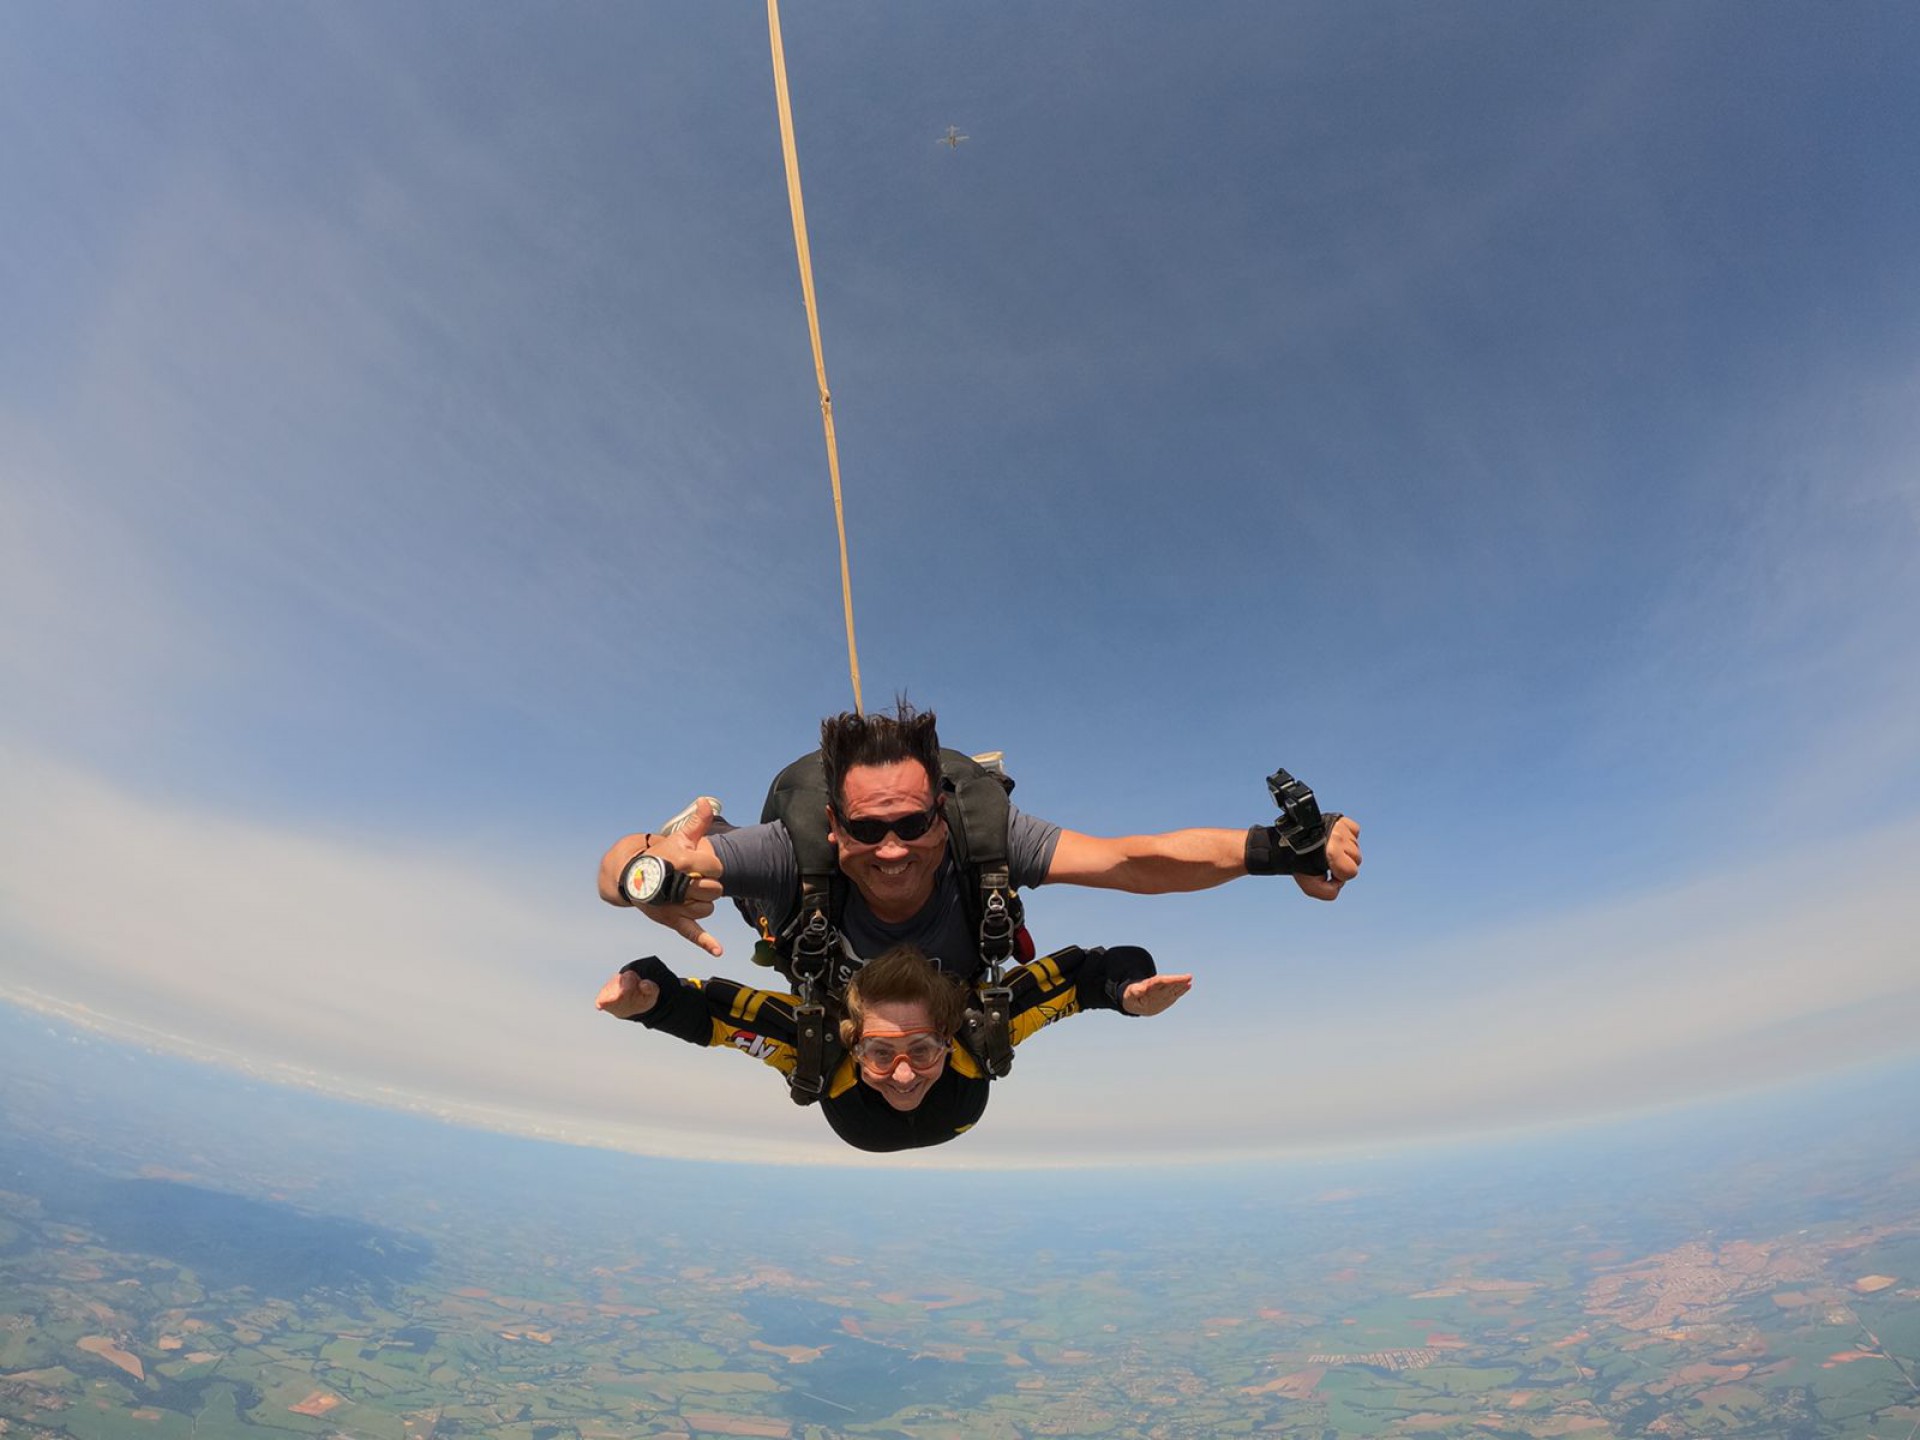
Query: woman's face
[[894, 1034]]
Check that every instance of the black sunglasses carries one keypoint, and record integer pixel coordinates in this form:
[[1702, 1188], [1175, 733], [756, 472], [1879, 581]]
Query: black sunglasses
[[907, 827]]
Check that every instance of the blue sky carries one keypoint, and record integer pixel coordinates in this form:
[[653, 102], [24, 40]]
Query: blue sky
[[1508, 419]]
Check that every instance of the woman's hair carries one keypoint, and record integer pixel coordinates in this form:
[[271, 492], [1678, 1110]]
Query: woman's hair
[[904, 976]]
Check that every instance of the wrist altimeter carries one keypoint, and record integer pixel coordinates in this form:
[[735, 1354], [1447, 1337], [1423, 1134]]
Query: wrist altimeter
[[649, 880], [1296, 843]]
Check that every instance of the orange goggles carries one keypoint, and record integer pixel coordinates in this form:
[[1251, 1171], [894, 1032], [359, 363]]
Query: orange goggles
[[880, 1055]]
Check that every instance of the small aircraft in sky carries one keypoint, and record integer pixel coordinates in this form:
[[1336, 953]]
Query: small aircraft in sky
[[952, 138]]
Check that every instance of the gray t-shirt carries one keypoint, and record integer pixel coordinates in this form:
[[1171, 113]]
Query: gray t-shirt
[[760, 868]]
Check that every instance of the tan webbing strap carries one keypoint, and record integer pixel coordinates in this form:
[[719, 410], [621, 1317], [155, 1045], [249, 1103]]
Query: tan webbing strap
[[813, 328]]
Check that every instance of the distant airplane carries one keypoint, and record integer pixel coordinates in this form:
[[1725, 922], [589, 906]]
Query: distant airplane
[[952, 138]]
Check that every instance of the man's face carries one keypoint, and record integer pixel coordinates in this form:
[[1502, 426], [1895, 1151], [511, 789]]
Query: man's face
[[894, 876], [895, 1025]]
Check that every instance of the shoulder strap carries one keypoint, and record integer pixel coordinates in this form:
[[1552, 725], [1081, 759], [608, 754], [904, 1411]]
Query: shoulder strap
[[976, 809], [978, 816], [805, 932], [798, 799]]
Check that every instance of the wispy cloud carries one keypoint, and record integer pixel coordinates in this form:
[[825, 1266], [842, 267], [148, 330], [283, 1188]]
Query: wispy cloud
[[397, 968]]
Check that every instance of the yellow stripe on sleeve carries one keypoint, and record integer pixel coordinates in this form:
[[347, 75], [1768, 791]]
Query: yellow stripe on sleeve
[[1038, 1017], [1047, 972]]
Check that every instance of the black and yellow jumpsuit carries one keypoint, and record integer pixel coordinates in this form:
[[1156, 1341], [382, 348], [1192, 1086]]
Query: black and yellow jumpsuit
[[760, 1023]]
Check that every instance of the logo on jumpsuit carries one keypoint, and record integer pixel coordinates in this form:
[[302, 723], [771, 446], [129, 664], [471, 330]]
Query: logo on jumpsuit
[[758, 1046]]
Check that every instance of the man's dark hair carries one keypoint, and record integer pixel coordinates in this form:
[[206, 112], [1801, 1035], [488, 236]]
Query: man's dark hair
[[854, 739]]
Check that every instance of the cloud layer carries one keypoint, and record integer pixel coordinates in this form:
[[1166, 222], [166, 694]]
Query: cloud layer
[[460, 982]]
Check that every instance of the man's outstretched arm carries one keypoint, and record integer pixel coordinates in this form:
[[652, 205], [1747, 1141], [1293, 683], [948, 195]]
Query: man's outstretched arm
[[1182, 860]]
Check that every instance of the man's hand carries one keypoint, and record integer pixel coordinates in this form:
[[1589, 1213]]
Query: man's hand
[[626, 996], [684, 919], [1154, 994], [686, 850], [1343, 861]]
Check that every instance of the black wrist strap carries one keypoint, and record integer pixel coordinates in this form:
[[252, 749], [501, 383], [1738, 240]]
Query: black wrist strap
[[1268, 854]]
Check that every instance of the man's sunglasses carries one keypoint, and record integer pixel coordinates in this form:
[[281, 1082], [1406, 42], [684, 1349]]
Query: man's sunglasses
[[908, 827]]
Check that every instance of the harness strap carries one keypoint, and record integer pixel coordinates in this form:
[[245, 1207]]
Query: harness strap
[[808, 956], [808, 1082], [977, 821], [987, 1033]]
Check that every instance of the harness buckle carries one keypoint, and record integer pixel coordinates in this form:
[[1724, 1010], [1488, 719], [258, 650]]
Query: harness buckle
[[1000, 917], [809, 955]]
